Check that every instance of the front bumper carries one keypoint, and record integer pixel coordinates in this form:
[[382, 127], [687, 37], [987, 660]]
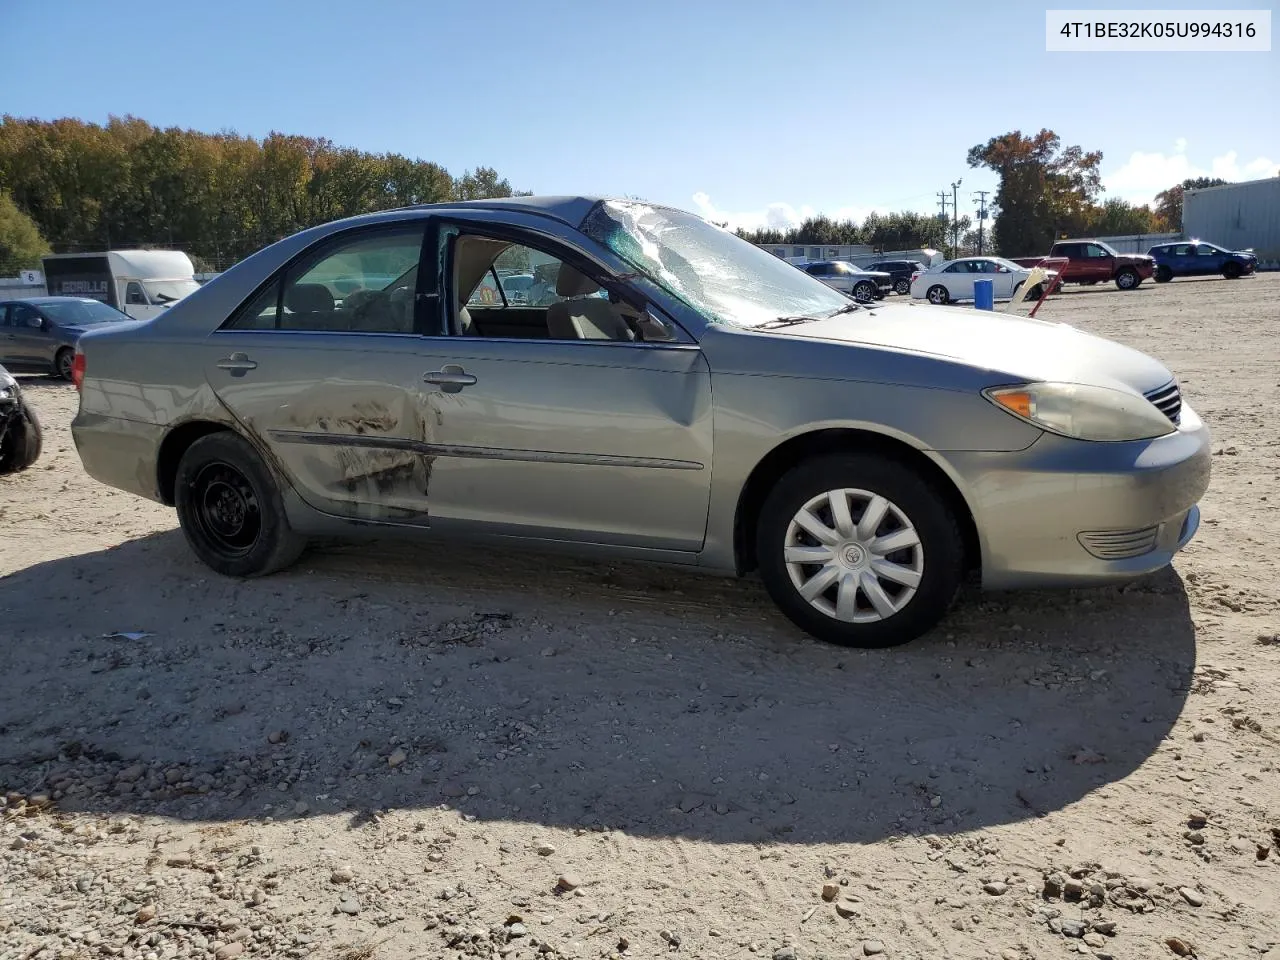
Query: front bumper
[[1071, 513]]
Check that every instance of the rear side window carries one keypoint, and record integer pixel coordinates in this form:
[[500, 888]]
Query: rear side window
[[365, 284]]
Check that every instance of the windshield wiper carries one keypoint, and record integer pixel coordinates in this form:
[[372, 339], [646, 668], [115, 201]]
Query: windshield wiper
[[848, 308], [788, 322]]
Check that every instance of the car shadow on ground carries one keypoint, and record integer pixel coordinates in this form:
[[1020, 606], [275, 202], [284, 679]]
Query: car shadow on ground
[[564, 693]]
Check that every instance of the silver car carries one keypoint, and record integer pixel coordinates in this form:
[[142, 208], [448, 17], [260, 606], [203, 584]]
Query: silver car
[[685, 397]]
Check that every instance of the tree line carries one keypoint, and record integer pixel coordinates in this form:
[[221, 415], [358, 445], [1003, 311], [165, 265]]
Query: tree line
[[219, 197], [1046, 191]]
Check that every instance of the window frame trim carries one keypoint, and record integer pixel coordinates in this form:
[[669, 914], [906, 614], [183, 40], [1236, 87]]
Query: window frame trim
[[317, 251], [551, 245]]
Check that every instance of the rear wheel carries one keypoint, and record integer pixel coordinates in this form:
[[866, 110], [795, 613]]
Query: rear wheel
[[859, 550], [63, 363], [230, 508], [1232, 271], [1163, 274], [1128, 279], [902, 287], [864, 290], [938, 294]]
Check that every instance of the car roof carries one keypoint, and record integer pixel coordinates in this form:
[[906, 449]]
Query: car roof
[[37, 301]]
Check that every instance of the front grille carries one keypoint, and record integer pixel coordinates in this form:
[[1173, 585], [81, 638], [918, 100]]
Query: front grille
[[1119, 544], [1168, 400]]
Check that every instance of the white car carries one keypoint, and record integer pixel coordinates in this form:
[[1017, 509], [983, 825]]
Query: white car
[[953, 280]]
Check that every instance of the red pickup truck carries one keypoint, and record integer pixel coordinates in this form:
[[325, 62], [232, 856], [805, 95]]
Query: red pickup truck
[[1092, 261]]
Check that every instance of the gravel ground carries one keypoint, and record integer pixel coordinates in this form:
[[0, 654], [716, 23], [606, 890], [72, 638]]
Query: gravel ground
[[397, 751]]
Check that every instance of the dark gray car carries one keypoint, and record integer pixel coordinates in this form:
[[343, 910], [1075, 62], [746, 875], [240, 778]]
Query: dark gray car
[[39, 334]]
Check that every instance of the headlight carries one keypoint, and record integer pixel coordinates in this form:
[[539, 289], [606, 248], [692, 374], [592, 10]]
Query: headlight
[[1083, 412]]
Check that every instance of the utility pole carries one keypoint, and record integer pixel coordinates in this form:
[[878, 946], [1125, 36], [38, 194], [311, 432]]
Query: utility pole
[[982, 215], [955, 216], [942, 206]]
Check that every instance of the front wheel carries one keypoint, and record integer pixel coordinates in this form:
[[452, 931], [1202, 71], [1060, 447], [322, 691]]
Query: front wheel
[[230, 508], [902, 287], [1127, 279], [938, 294], [859, 550], [20, 441], [64, 362], [1232, 271], [864, 291], [1163, 274]]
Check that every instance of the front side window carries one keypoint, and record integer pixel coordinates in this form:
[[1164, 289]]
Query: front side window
[[1208, 250], [133, 293], [365, 284], [23, 316], [500, 288], [718, 274]]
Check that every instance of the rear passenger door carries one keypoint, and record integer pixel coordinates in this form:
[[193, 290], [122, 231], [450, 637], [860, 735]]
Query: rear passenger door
[[310, 367]]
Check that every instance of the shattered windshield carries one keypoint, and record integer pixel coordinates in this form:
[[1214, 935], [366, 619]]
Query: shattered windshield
[[167, 291], [717, 273]]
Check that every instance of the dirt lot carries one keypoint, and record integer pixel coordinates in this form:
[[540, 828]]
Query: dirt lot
[[400, 752]]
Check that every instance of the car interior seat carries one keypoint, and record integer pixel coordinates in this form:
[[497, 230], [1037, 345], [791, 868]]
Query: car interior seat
[[582, 315]]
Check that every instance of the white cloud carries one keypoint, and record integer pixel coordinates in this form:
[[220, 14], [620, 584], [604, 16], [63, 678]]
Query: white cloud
[[1144, 175], [778, 216]]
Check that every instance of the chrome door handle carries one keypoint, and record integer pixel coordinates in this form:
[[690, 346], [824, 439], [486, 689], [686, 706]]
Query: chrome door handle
[[238, 363], [450, 376]]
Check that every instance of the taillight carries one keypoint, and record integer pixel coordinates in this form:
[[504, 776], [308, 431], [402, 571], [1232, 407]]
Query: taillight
[[77, 370], [915, 276]]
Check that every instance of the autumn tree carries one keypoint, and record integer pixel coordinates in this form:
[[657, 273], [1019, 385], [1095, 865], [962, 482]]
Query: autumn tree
[[218, 196], [1169, 202], [21, 245], [1045, 189], [1118, 218]]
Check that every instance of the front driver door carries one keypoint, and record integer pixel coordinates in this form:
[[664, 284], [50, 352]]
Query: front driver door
[[1209, 259], [590, 440]]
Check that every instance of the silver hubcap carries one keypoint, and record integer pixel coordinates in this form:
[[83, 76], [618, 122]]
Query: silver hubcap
[[854, 555], [936, 295], [1126, 279]]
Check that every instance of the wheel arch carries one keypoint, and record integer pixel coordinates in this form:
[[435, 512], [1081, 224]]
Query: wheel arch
[[797, 449], [175, 443]]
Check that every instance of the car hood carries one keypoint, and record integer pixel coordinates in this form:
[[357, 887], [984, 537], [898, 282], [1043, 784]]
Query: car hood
[[1018, 347]]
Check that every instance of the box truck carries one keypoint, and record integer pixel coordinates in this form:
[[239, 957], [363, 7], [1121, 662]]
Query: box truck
[[141, 283]]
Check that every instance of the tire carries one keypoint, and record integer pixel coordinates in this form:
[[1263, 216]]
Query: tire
[[22, 442], [1231, 271], [935, 562], [1127, 279], [1163, 274], [864, 291], [937, 294], [902, 287], [1035, 292], [230, 508], [63, 362]]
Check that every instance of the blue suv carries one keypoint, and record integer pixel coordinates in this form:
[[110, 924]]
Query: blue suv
[[1195, 258]]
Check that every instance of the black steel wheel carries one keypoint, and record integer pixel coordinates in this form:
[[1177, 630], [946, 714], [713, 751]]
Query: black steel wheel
[[230, 508]]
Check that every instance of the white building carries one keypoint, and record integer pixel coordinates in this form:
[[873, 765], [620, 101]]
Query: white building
[[1237, 216]]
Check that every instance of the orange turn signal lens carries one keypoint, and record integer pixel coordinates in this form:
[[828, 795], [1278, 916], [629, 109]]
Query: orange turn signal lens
[[1016, 401]]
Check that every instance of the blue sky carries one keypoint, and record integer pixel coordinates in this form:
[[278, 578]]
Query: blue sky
[[753, 111]]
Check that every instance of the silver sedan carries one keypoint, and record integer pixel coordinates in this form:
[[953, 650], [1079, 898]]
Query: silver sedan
[[679, 395]]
